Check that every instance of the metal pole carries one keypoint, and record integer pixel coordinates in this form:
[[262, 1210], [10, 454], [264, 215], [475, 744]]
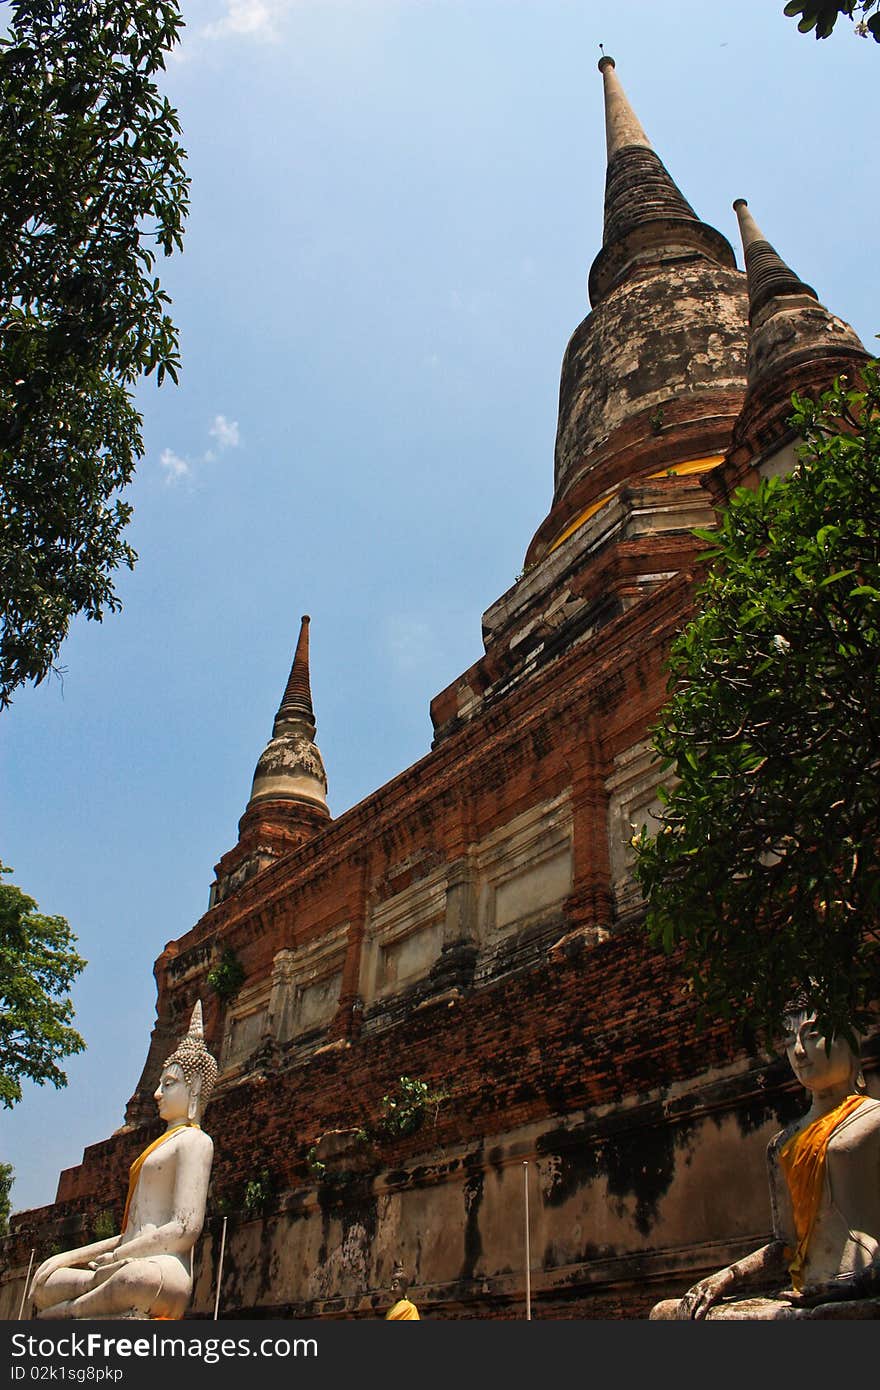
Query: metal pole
[[528, 1257], [220, 1268], [27, 1284]]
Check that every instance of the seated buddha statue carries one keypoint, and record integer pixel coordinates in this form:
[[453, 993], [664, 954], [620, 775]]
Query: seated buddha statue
[[146, 1270], [402, 1309], [824, 1197]]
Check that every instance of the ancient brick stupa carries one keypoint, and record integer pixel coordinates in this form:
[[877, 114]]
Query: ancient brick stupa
[[474, 925]]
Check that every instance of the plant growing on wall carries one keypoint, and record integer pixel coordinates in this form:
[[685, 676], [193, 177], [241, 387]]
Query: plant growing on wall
[[227, 976], [104, 1226], [315, 1165], [258, 1193], [404, 1110]]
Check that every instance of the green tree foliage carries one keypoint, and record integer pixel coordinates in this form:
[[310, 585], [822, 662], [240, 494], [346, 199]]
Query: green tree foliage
[[765, 870], [91, 185], [37, 967], [822, 15], [7, 1178]]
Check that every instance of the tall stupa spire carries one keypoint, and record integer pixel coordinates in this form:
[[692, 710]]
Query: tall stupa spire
[[296, 702], [658, 365], [622, 125], [646, 214]]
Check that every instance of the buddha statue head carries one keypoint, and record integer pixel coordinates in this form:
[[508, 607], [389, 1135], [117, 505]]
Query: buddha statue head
[[188, 1076], [818, 1064], [399, 1281]]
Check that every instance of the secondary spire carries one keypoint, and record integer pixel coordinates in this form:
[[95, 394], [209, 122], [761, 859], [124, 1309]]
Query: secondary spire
[[788, 324], [768, 275]]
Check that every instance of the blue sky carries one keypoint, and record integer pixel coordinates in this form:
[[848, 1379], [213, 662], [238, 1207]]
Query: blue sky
[[395, 204]]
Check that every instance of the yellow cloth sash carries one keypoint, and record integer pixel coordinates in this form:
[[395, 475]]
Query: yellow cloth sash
[[134, 1171], [403, 1311], [803, 1162]]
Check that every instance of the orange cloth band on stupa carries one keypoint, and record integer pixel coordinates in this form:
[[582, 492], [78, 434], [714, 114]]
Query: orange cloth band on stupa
[[803, 1163], [403, 1311], [134, 1171]]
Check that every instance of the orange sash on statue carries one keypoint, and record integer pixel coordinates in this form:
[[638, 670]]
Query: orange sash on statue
[[803, 1162], [134, 1171], [403, 1311]]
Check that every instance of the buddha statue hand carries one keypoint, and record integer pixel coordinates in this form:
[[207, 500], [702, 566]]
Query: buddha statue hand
[[108, 1258], [47, 1268], [87, 1256], [704, 1295], [865, 1283]]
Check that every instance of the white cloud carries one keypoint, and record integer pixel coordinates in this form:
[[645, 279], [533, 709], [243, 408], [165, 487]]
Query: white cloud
[[225, 432], [175, 467], [227, 436], [243, 21], [253, 19]]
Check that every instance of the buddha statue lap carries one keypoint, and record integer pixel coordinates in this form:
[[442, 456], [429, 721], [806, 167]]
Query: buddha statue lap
[[146, 1270], [825, 1203]]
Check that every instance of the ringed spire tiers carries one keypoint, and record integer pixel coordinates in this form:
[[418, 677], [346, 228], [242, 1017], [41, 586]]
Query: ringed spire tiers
[[654, 376], [290, 767], [768, 275], [296, 702], [645, 211], [788, 325], [288, 800], [794, 343]]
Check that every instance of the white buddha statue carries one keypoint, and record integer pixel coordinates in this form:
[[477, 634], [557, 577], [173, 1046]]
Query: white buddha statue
[[825, 1202], [146, 1270]]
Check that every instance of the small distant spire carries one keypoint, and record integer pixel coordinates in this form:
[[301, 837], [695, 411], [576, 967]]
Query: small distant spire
[[290, 768], [297, 698], [768, 275], [288, 800]]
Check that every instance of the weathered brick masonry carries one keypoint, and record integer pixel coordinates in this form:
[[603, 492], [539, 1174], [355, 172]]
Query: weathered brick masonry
[[475, 923]]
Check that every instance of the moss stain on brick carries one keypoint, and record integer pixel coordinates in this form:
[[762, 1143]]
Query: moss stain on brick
[[473, 1198], [636, 1164]]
